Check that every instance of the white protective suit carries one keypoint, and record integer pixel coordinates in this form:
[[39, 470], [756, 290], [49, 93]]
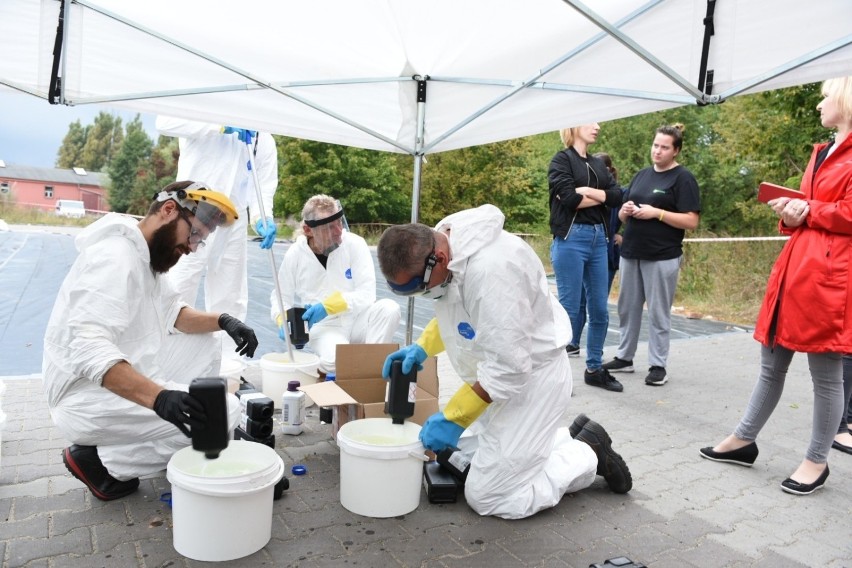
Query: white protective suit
[[501, 325], [111, 308], [350, 271], [219, 160]]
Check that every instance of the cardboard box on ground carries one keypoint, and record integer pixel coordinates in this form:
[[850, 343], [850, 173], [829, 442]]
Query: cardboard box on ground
[[359, 389]]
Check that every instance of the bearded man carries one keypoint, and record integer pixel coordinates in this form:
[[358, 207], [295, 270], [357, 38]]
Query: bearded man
[[121, 347]]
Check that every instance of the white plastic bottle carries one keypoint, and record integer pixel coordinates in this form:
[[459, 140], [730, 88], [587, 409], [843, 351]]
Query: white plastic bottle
[[292, 409]]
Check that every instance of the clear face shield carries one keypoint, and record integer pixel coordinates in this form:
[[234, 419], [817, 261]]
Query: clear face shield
[[326, 234]]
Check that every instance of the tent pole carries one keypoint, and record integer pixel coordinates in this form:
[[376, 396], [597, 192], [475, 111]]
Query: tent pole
[[261, 211], [705, 78], [415, 193], [57, 85]]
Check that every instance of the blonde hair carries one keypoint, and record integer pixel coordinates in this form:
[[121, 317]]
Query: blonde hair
[[839, 90], [568, 135], [319, 207]]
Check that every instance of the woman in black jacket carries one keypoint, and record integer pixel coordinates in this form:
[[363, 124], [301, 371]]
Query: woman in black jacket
[[581, 189]]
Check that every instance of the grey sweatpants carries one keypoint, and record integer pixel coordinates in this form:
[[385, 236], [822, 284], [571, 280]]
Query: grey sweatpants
[[653, 282], [827, 377]]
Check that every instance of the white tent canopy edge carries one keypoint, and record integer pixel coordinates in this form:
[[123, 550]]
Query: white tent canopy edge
[[360, 73]]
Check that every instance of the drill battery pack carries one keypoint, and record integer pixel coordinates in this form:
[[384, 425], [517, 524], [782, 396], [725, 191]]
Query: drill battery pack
[[440, 485]]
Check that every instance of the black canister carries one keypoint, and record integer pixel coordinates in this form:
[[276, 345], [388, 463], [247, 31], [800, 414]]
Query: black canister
[[297, 327], [455, 462], [401, 393], [326, 413], [212, 394]]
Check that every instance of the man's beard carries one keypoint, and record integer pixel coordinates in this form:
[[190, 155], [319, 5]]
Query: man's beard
[[164, 250]]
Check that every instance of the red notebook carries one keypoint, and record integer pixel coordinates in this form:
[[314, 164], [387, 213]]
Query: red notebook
[[769, 191]]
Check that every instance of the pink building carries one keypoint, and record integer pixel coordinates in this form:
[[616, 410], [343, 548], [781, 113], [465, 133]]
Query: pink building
[[30, 186]]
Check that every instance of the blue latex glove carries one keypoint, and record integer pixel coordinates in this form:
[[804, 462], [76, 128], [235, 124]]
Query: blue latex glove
[[267, 230], [244, 135], [410, 355], [314, 313], [438, 433]]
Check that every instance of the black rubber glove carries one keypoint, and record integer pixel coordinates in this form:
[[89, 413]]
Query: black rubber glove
[[242, 334], [180, 408]]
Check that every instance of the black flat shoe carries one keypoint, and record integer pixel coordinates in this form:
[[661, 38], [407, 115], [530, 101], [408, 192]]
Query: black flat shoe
[[842, 447], [744, 456], [796, 488]]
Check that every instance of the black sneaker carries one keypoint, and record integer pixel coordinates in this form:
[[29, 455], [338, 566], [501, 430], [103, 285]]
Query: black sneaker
[[573, 350], [577, 425], [656, 377], [619, 366], [601, 378], [84, 463], [610, 465]]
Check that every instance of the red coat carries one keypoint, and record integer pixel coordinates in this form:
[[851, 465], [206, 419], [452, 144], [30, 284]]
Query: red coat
[[809, 285]]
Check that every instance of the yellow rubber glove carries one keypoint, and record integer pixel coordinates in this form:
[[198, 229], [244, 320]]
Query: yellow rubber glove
[[334, 304], [465, 406], [430, 340]]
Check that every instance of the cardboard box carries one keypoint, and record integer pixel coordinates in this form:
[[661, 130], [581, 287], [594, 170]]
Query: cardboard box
[[359, 389]]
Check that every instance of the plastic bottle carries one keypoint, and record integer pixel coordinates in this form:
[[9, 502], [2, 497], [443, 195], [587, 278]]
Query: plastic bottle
[[326, 413], [401, 393], [213, 438], [292, 409]]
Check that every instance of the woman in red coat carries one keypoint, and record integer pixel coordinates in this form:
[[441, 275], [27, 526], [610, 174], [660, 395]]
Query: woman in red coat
[[813, 269]]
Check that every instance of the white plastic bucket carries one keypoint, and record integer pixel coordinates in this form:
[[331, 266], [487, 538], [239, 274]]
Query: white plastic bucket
[[212, 497], [381, 467], [278, 369]]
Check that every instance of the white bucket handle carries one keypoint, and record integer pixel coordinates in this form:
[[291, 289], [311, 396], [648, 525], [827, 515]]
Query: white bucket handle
[[418, 455]]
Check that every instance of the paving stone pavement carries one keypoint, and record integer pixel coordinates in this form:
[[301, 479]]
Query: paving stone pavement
[[683, 511]]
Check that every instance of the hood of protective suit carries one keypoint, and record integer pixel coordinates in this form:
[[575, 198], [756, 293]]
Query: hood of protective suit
[[114, 224], [469, 231]]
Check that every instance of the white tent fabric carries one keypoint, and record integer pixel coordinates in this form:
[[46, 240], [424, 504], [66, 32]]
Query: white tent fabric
[[343, 71]]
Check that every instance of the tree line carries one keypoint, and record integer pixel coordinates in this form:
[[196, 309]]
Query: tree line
[[730, 148]]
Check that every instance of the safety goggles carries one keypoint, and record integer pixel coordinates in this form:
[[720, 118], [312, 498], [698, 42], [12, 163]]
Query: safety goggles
[[418, 285], [195, 237]]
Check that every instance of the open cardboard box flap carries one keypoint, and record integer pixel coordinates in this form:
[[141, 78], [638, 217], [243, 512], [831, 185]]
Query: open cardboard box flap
[[359, 383]]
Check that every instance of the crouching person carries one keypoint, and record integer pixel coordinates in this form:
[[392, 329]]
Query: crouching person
[[121, 348], [505, 335]]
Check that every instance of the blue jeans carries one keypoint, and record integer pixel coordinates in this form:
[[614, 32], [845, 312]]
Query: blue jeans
[[581, 267]]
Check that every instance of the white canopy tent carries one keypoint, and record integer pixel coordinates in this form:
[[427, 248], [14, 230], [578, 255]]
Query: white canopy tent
[[416, 77], [369, 73]]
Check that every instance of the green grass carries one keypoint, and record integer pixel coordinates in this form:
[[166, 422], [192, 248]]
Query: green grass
[[15, 215]]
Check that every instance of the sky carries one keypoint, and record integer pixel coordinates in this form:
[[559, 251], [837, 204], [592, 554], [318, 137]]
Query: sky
[[31, 129]]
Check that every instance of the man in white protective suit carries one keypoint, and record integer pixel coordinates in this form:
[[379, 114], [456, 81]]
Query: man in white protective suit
[[505, 335], [330, 272], [218, 156], [121, 347]]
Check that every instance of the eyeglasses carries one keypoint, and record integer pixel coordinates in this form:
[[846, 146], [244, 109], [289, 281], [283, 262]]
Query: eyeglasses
[[416, 286], [195, 236]]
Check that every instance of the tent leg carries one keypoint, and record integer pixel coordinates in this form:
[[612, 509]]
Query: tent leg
[[415, 193]]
